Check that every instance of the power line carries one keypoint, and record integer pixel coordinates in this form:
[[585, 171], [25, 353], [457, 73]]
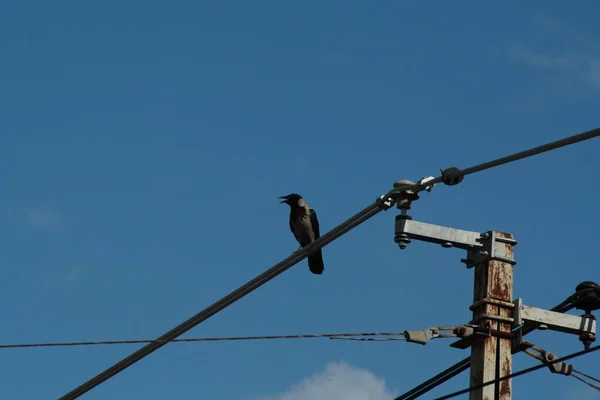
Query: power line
[[465, 363], [299, 255], [347, 336], [370, 339], [590, 384], [586, 375], [534, 151], [237, 294], [517, 156], [514, 375], [436, 380], [586, 382]]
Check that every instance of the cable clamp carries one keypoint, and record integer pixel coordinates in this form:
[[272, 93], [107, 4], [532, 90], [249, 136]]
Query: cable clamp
[[387, 203], [423, 336], [547, 358], [451, 176], [423, 182]]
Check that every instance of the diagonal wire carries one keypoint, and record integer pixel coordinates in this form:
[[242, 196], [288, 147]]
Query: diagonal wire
[[208, 339], [465, 363], [586, 382], [298, 256], [237, 294], [534, 151], [368, 339], [436, 380], [514, 375], [586, 375]]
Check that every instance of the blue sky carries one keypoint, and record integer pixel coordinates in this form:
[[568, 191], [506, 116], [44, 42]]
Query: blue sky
[[144, 145]]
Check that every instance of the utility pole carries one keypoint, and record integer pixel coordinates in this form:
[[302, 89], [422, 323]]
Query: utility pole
[[499, 322], [490, 254], [491, 356]]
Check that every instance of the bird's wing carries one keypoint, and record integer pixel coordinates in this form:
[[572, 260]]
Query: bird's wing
[[293, 231], [315, 223]]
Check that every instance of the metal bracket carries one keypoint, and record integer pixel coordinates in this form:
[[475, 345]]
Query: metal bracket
[[423, 181], [546, 319], [404, 197], [547, 358], [423, 336], [557, 367], [467, 340], [480, 247], [387, 203], [527, 316], [490, 250]]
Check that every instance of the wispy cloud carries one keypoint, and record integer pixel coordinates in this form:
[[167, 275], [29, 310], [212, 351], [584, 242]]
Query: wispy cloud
[[545, 24], [45, 218], [338, 381], [562, 48], [583, 66], [545, 61], [63, 277], [594, 73]]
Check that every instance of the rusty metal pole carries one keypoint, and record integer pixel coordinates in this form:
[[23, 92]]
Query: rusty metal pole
[[491, 357]]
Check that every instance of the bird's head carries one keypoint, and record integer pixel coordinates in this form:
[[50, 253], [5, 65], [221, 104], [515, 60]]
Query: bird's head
[[291, 199]]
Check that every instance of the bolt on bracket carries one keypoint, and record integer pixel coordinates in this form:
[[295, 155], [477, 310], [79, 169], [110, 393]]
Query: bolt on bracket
[[546, 319], [481, 247], [404, 197]]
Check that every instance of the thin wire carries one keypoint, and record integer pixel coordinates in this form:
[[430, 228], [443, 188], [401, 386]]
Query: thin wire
[[295, 258], [534, 151], [465, 363], [521, 155], [368, 339], [237, 294], [436, 380], [586, 382], [210, 339], [514, 375], [568, 305], [586, 375]]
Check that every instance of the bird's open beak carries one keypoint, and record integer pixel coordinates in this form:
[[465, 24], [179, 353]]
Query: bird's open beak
[[284, 199]]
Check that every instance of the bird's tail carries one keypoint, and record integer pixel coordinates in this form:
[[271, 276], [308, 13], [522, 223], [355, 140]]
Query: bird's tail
[[315, 262]]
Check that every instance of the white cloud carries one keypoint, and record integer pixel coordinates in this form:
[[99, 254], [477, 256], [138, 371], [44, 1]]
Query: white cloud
[[45, 218], [563, 48], [338, 381], [61, 276], [545, 61], [582, 65], [594, 72]]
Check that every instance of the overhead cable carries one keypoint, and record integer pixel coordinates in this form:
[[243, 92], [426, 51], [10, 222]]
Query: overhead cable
[[590, 384], [391, 339], [237, 294], [465, 363], [534, 151], [355, 336], [514, 375], [301, 254], [586, 375], [436, 380]]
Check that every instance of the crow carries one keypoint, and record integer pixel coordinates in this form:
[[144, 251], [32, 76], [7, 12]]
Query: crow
[[305, 227]]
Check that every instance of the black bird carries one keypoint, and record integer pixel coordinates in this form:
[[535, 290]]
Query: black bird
[[305, 227]]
